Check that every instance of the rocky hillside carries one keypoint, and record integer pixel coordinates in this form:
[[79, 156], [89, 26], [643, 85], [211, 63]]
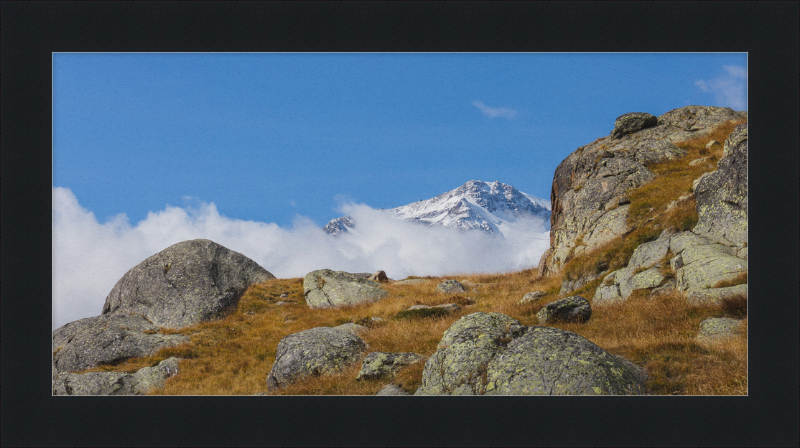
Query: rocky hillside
[[590, 204], [643, 291]]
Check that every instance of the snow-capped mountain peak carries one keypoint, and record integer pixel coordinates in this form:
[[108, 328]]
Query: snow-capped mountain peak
[[476, 205]]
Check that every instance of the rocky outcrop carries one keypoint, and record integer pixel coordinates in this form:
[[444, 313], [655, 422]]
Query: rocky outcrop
[[715, 296], [329, 289], [493, 354], [722, 195], [532, 297], [568, 309], [589, 184], [450, 286], [107, 339], [317, 351], [116, 383], [379, 365], [716, 329], [185, 284], [697, 262]]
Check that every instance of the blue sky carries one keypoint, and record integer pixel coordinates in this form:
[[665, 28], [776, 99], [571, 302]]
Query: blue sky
[[258, 151], [267, 137]]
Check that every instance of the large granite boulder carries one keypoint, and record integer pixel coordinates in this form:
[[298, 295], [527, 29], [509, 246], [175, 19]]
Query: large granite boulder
[[316, 351], [589, 183], [107, 339], [379, 365], [722, 195], [568, 309], [493, 354], [329, 289], [185, 284], [116, 383]]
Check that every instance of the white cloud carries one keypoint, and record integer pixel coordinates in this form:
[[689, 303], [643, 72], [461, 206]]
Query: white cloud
[[89, 257], [729, 89], [493, 112]]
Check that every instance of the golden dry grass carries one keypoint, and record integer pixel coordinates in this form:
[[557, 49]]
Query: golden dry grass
[[233, 356]]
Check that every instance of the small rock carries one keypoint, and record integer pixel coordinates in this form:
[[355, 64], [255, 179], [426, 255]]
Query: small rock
[[711, 143], [568, 309], [281, 303], [632, 122], [379, 276], [718, 328], [379, 365], [284, 295], [474, 289], [450, 286], [391, 389], [428, 311], [698, 161], [376, 319], [532, 297]]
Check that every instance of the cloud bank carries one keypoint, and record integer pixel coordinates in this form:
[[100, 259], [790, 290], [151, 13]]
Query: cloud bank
[[89, 257], [730, 89], [493, 112]]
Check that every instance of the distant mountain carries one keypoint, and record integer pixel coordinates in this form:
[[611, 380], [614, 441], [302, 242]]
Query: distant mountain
[[476, 205], [339, 225]]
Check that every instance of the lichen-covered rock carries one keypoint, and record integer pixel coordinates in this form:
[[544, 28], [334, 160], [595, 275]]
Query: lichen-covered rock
[[589, 183], [185, 284], [568, 309], [718, 328], [703, 266], [715, 296], [379, 365], [450, 286], [493, 354], [391, 389], [632, 122], [649, 278], [116, 383], [316, 351], [568, 286], [107, 339], [532, 297], [330, 289], [419, 311], [722, 195]]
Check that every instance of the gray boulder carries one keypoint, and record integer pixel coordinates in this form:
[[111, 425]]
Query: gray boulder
[[493, 354], [185, 284], [450, 286], [330, 289], [568, 309], [391, 389], [632, 122], [418, 311], [107, 339], [379, 365], [317, 351], [532, 297], [722, 195], [715, 296], [589, 184], [116, 383], [718, 328]]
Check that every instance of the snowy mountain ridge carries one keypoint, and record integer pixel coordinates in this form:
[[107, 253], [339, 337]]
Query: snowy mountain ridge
[[476, 205]]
